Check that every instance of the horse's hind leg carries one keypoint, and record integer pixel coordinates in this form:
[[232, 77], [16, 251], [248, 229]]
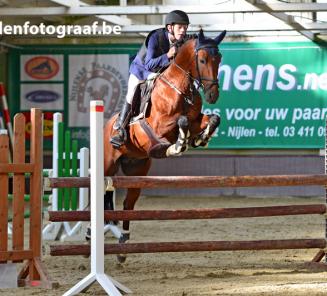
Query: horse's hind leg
[[110, 169], [207, 126], [129, 203], [132, 168], [111, 157]]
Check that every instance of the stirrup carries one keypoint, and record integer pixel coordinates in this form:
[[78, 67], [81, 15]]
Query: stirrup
[[120, 139]]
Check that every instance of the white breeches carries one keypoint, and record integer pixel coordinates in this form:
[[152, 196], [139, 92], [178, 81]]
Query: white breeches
[[133, 82]]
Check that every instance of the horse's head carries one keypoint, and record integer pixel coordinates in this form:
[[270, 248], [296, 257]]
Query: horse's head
[[208, 59], [203, 64]]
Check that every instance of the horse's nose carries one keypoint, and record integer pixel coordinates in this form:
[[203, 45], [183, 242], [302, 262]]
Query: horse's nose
[[213, 95]]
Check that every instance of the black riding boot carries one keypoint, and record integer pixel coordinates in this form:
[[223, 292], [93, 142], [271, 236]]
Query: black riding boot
[[120, 126]]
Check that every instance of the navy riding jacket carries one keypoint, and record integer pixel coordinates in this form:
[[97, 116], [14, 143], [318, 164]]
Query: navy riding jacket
[[154, 57]]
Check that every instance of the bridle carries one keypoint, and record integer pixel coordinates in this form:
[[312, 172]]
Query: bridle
[[199, 79]]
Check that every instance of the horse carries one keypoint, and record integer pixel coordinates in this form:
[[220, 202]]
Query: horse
[[174, 120]]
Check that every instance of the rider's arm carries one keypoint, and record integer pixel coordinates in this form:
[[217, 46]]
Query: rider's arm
[[153, 60]]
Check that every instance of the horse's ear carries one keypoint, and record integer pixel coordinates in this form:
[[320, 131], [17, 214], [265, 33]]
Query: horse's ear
[[220, 37], [201, 35]]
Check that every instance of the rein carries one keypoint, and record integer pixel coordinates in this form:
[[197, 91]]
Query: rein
[[199, 80]]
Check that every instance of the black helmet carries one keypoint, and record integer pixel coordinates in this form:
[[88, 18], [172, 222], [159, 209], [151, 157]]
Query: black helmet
[[177, 17]]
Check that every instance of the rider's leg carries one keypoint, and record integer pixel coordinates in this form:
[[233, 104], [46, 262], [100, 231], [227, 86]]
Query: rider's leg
[[124, 115]]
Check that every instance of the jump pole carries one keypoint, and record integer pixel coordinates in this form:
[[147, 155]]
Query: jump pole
[[110, 285]]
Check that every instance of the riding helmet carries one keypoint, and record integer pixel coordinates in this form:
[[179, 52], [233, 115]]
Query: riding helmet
[[177, 17]]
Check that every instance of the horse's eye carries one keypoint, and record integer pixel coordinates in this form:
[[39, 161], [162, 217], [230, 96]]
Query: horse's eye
[[202, 61]]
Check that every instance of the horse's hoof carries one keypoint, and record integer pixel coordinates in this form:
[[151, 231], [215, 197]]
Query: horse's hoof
[[88, 234], [121, 258], [214, 120], [184, 148], [122, 240], [88, 242]]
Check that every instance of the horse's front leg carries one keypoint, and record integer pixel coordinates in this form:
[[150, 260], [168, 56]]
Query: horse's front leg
[[181, 144], [207, 125]]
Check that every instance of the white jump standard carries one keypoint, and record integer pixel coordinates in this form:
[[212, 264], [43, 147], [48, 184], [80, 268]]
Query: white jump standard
[[110, 285]]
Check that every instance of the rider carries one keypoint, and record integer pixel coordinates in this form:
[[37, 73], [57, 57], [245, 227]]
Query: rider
[[155, 54]]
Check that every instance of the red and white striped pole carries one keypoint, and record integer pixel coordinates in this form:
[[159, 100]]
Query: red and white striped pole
[[2, 124], [6, 113]]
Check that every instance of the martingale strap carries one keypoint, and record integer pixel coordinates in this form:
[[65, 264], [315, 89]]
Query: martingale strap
[[187, 99], [154, 139]]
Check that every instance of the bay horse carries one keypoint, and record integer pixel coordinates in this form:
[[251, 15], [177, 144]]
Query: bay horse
[[174, 120]]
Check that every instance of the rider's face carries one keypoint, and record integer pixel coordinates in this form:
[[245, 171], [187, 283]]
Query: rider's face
[[177, 30]]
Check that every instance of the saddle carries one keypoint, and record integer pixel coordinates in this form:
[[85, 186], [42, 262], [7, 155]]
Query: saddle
[[141, 106], [141, 103]]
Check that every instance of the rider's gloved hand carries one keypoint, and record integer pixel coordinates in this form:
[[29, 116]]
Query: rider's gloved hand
[[172, 52]]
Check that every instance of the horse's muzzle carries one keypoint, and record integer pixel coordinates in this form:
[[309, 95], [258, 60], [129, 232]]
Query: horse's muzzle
[[212, 96]]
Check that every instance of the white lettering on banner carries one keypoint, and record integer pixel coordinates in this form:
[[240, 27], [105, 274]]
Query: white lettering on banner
[[308, 114], [60, 31], [208, 111], [242, 114], [314, 81], [261, 70], [287, 77], [276, 113], [269, 77], [238, 132], [298, 122], [243, 73]]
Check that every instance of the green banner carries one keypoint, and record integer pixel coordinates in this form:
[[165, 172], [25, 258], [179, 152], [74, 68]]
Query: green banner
[[273, 95]]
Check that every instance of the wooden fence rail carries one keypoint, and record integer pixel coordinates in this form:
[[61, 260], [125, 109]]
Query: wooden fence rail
[[190, 246], [218, 213], [194, 181]]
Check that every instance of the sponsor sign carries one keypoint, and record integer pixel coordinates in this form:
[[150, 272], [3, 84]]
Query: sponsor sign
[[96, 77], [41, 67], [45, 96]]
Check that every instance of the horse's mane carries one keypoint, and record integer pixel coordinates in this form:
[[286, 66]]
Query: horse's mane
[[186, 38], [201, 42]]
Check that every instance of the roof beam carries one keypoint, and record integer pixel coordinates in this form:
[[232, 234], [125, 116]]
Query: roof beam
[[237, 27], [76, 4], [288, 19], [76, 7], [66, 3]]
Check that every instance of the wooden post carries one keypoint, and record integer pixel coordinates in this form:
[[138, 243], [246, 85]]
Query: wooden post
[[36, 189], [4, 158], [18, 183], [34, 273]]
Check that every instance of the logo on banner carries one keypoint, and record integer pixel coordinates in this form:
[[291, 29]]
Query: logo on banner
[[42, 67], [42, 96], [102, 82]]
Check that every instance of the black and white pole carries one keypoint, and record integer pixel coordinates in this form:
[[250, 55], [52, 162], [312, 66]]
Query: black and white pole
[[110, 285]]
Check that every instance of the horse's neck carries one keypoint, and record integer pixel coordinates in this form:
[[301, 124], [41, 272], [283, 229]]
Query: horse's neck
[[177, 71]]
